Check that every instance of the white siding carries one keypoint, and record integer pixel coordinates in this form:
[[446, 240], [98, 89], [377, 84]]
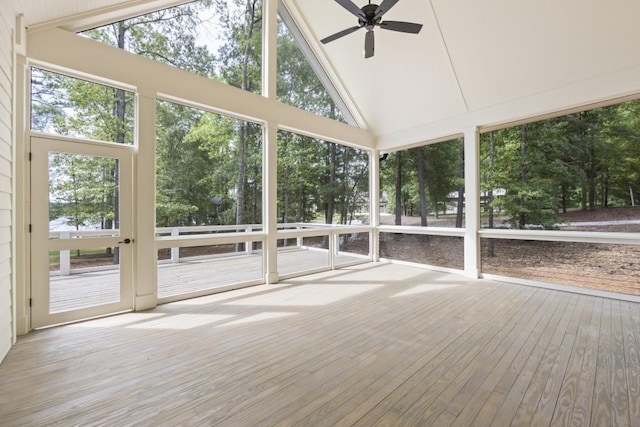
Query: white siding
[[6, 178]]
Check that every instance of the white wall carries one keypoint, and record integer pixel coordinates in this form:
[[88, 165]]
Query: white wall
[[6, 107]]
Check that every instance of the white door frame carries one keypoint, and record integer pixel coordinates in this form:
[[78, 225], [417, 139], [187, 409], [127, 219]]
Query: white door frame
[[41, 244]]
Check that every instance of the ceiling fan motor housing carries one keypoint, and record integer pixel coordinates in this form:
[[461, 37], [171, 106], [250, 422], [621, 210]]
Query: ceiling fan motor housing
[[370, 16], [370, 19]]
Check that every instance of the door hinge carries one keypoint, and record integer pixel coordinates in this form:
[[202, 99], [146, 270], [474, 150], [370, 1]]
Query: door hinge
[[29, 228], [30, 301], [29, 155]]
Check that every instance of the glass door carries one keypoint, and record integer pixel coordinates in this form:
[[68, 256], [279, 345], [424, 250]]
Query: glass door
[[81, 229]]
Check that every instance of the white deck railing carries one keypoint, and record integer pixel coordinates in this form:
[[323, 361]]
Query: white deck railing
[[176, 237]]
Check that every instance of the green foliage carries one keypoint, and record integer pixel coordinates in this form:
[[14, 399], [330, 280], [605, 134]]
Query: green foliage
[[441, 175], [74, 107], [582, 161], [319, 180], [524, 166], [239, 61], [533, 172], [82, 189], [197, 156], [297, 83], [167, 36], [180, 166], [316, 180]]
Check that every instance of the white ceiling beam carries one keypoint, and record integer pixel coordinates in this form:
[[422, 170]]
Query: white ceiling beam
[[90, 58]]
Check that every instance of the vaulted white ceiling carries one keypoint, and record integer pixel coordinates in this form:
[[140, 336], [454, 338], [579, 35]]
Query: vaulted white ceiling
[[475, 62]]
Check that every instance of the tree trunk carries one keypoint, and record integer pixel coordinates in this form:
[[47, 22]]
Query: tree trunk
[[242, 175], [592, 193], [242, 137], [300, 211], [522, 219], [605, 191], [564, 198], [422, 192], [399, 188], [460, 186], [492, 156], [331, 195], [256, 198], [76, 205], [285, 196], [344, 211]]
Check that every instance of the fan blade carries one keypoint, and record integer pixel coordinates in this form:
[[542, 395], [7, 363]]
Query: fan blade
[[339, 34], [403, 27], [351, 7], [384, 7], [369, 44]]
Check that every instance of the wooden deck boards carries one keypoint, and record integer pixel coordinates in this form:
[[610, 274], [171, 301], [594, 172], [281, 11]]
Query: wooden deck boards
[[374, 344], [94, 287]]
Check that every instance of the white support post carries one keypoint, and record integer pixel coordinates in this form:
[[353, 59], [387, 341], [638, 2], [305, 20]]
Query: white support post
[[332, 250], [65, 256], [175, 252], [269, 48], [472, 202], [146, 258], [374, 204], [21, 279], [299, 240], [248, 246], [270, 141], [270, 202]]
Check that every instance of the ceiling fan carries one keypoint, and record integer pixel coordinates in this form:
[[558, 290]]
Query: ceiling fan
[[370, 16]]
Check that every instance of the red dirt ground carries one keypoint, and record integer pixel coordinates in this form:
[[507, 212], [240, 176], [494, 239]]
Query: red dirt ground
[[600, 266]]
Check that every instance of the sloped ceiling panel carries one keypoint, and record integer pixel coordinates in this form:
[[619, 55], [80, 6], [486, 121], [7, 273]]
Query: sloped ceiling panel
[[36, 12], [477, 56], [57, 12], [504, 50], [409, 80]]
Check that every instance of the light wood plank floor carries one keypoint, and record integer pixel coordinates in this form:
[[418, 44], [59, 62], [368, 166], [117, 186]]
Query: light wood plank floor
[[374, 344]]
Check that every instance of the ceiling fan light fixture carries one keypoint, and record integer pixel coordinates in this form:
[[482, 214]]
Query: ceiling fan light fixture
[[369, 16]]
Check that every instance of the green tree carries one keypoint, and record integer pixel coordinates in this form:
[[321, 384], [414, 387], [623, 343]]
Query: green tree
[[76, 107], [168, 36], [81, 188], [181, 167], [300, 169], [240, 65], [521, 167]]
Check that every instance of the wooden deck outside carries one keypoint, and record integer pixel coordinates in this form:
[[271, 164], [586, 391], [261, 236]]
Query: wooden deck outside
[[93, 287], [374, 344]]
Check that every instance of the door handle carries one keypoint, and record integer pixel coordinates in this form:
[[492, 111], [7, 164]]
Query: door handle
[[126, 241]]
